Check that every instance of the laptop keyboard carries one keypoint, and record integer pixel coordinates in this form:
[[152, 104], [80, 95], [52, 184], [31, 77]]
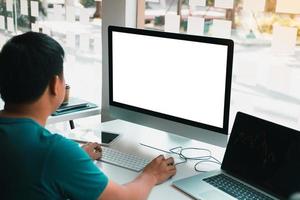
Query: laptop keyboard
[[235, 188]]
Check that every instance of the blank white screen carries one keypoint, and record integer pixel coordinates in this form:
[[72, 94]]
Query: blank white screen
[[180, 78]]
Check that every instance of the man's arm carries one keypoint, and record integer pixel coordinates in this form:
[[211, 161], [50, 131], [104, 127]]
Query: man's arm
[[156, 172]]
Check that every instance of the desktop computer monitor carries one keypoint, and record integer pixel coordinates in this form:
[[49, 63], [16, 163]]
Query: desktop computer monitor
[[170, 79]]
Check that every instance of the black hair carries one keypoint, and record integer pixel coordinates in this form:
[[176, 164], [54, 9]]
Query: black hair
[[27, 64]]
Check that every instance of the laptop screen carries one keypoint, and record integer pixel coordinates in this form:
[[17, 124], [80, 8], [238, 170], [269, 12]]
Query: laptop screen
[[264, 154]]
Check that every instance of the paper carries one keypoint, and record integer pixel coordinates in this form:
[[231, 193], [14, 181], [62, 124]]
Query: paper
[[254, 5], [9, 5], [288, 6], [24, 7], [221, 28], [35, 27], [194, 3], [84, 135], [57, 12], [195, 26], [34, 8], [172, 23], [2, 22], [84, 16], [71, 39], [84, 42], [70, 14], [284, 40], [224, 4], [10, 24]]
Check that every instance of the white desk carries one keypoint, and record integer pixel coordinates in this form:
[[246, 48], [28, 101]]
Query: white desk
[[132, 135]]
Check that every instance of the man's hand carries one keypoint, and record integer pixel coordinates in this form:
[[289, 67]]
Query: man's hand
[[161, 169], [93, 149], [156, 172]]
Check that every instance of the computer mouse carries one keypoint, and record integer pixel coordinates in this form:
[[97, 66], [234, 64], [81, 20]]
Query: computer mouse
[[177, 158]]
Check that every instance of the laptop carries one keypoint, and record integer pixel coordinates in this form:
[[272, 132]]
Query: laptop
[[262, 161]]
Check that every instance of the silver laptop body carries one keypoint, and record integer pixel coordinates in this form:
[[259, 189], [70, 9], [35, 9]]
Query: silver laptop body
[[196, 187], [262, 161]]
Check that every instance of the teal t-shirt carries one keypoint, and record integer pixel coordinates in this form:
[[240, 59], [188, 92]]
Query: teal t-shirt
[[36, 164]]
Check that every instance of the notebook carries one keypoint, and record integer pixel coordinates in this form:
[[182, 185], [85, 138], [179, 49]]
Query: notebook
[[73, 105], [262, 161]]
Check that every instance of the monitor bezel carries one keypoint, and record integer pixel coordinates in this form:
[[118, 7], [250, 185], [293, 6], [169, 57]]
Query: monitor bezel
[[220, 41]]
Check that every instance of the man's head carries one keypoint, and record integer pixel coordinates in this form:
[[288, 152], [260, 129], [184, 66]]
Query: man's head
[[30, 65]]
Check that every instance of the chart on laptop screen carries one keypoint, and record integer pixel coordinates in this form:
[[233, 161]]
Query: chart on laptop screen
[[265, 154]]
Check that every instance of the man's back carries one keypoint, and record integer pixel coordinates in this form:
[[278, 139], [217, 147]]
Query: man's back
[[43, 165], [35, 164]]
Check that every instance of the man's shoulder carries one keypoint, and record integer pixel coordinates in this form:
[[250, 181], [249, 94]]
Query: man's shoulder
[[64, 148], [24, 133]]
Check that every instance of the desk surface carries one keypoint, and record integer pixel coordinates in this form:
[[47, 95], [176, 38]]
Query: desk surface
[[131, 137]]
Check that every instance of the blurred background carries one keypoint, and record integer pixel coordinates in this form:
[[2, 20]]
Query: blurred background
[[266, 71]]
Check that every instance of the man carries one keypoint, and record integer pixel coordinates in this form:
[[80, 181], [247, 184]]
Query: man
[[36, 164]]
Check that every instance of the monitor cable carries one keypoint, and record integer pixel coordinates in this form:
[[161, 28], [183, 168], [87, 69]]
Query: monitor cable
[[182, 153]]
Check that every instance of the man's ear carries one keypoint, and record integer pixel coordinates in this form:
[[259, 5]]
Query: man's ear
[[54, 85]]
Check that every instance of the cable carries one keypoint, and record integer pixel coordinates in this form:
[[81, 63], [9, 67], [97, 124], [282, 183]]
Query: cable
[[200, 159], [154, 148], [182, 153]]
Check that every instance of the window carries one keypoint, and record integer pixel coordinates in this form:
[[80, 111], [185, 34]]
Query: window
[[266, 33], [75, 24]]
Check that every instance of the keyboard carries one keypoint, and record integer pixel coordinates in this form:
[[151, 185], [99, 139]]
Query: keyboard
[[124, 160], [235, 188]]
